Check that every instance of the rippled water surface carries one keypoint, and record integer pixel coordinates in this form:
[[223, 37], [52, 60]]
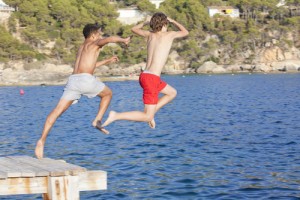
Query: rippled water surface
[[223, 137]]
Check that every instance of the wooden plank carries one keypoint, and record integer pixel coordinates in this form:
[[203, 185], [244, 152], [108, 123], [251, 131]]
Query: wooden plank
[[93, 180], [63, 188], [33, 185], [14, 169], [7, 172], [72, 169], [53, 170], [3, 175], [38, 171], [87, 181], [58, 167]]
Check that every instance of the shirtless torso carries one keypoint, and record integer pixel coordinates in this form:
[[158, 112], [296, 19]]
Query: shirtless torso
[[158, 46], [159, 42], [88, 52], [86, 58]]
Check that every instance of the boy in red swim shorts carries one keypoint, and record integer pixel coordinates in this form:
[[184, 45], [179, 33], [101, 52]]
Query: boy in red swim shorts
[[159, 42]]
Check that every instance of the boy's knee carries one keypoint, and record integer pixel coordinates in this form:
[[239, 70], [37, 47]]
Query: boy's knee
[[109, 93], [173, 93], [106, 93], [149, 118]]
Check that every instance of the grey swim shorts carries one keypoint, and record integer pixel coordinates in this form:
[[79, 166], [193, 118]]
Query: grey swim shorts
[[82, 84]]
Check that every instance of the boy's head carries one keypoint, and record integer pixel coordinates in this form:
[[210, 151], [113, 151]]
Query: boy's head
[[157, 21], [91, 29]]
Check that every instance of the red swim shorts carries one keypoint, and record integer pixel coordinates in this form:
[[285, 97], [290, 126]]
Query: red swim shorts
[[152, 85]]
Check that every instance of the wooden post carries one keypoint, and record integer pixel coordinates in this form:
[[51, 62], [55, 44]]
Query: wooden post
[[62, 188]]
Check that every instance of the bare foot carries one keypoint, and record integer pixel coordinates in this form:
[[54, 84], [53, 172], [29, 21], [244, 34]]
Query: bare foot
[[39, 149], [152, 124], [110, 119], [100, 127]]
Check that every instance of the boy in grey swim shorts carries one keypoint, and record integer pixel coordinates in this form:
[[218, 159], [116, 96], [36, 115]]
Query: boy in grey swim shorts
[[82, 81], [82, 84]]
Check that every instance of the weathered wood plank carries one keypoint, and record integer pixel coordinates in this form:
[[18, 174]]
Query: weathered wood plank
[[3, 174], [38, 171], [13, 186], [7, 172], [53, 170], [72, 169], [93, 180], [14, 169], [55, 167]]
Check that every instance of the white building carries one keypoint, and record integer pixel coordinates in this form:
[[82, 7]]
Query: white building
[[281, 3], [156, 2], [133, 15], [224, 11], [5, 8], [130, 15]]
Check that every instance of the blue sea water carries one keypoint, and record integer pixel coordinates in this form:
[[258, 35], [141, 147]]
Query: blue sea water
[[223, 137]]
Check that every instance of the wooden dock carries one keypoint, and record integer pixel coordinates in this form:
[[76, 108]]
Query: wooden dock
[[55, 179]]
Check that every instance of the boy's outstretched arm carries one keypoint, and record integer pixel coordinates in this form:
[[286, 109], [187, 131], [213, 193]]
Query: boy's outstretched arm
[[113, 39], [182, 30], [137, 29], [113, 59]]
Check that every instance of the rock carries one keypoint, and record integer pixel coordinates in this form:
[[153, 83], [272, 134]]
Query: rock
[[57, 68], [207, 67], [102, 70], [175, 63], [219, 69], [274, 41], [232, 68], [189, 71], [271, 55], [289, 65], [263, 67], [16, 65], [247, 67]]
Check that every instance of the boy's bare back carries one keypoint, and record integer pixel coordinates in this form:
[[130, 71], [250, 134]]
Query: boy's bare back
[[158, 47], [159, 44]]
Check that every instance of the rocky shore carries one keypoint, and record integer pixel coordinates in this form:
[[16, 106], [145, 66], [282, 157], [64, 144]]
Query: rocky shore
[[38, 73]]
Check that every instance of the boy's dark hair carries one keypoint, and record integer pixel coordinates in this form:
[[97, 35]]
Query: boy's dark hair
[[157, 21], [89, 29]]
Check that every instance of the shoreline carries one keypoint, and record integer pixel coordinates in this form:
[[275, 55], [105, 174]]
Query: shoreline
[[63, 81]]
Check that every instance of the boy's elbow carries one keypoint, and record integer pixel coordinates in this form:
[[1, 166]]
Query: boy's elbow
[[134, 30], [186, 33]]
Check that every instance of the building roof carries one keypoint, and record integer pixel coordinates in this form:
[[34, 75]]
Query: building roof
[[222, 7], [2, 3]]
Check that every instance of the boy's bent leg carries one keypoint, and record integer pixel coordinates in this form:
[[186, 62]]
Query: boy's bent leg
[[169, 94], [105, 95], [61, 107], [138, 116]]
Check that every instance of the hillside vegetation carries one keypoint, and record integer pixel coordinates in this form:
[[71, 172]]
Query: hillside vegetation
[[219, 39]]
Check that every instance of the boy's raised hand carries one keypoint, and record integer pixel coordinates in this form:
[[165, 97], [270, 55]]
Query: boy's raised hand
[[127, 40], [170, 20], [113, 59]]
